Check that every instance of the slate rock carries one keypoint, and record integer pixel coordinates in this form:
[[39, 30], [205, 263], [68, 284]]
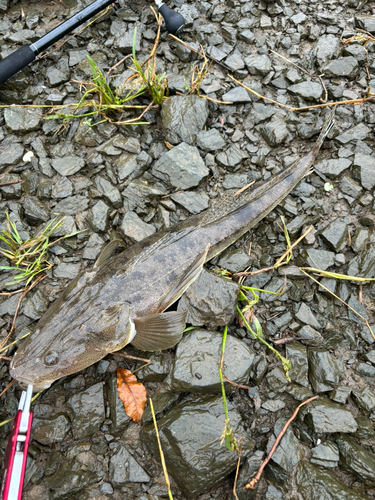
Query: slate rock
[[68, 165], [10, 155], [248, 470], [325, 454], [197, 362], [237, 95], [350, 187], [234, 260], [231, 157], [325, 416], [62, 188], [139, 196], [56, 77], [135, 228], [35, 211], [327, 47], [195, 460], [183, 118], [363, 264], [306, 315], [366, 23], [346, 66], [72, 205], [356, 460], [93, 247], [23, 119], [123, 469], [357, 133], [67, 270], [87, 407], [310, 91], [318, 259], [364, 170], [232, 181], [210, 301], [341, 394], [332, 168], [360, 239], [289, 452], [50, 430], [116, 407], [336, 234], [210, 140], [323, 370], [357, 306], [364, 398], [297, 355], [193, 202], [182, 167], [275, 132], [36, 305], [316, 483], [13, 191], [69, 479], [258, 64]]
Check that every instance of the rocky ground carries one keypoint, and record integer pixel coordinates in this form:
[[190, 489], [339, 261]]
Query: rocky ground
[[112, 180]]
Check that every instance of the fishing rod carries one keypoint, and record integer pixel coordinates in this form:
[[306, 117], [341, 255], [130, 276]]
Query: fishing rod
[[16, 61]]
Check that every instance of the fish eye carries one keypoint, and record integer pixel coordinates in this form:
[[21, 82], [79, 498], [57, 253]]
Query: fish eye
[[51, 358]]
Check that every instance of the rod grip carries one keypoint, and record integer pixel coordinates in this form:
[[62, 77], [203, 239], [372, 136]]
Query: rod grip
[[15, 62]]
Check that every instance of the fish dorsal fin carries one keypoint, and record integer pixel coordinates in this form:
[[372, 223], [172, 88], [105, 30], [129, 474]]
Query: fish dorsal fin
[[190, 275], [107, 252], [157, 332]]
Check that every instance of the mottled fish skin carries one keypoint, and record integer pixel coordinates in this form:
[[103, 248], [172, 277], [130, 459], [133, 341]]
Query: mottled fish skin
[[95, 315]]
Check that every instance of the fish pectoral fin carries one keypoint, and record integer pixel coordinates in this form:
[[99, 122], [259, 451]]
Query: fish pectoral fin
[[157, 332], [189, 276], [107, 252]]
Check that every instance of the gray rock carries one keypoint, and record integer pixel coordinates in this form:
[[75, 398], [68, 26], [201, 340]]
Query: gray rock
[[363, 264], [341, 394], [182, 167], [98, 216], [23, 119], [305, 315], [319, 259], [275, 132], [13, 191], [35, 211], [210, 140], [366, 23], [66, 270], [135, 228], [357, 306], [234, 181], [56, 77], [70, 478], [236, 95], [36, 305], [93, 247], [210, 301], [326, 455], [258, 65], [346, 66], [139, 196], [193, 202], [324, 372], [183, 118], [123, 469], [297, 355], [357, 133], [62, 188], [336, 234], [235, 61], [262, 112], [197, 362], [248, 470], [327, 47], [88, 411], [289, 451], [364, 398], [68, 165], [231, 157], [311, 91], [360, 239], [356, 460], [315, 483], [325, 416], [10, 155], [350, 187], [116, 407], [234, 260], [72, 206], [203, 466], [50, 430], [332, 168], [364, 170]]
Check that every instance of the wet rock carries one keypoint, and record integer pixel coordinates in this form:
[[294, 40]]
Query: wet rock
[[93, 247], [193, 202], [13, 191], [210, 140], [323, 370], [275, 132], [234, 181], [197, 362], [117, 411], [237, 95], [72, 206], [363, 264], [36, 305], [234, 260], [360, 239], [22, 119], [310, 91], [315, 483], [326, 416], [365, 428], [332, 168], [70, 478], [248, 471], [365, 369], [346, 66], [182, 167], [297, 355], [210, 301], [231, 157], [341, 394], [62, 188], [326, 455], [53, 430], [135, 228], [68, 165], [319, 259], [350, 187], [289, 451], [366, 23], [88, 411], [183, 118], [357, 133], [305, 315], [356, 459], [258, 64], [327, 47], [98, 216], [123, 469], [198, 468], [277, 380], [159, 368], [66, 270], [357, 306], [35, 211], [364, 398], [10, 155], [56, 77], [110, 192], [364, 170], [336, 234], [139, 196]]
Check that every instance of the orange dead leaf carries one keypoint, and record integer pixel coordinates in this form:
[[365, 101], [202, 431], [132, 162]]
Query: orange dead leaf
[[132, 393], [247, 315]]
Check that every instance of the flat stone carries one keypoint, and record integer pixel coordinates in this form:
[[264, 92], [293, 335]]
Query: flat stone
[[236, 95], [289, 452], [336, 234], [123, 469], [356, 460], [10, 155], [333, 168], [88, 411], [35, 211], [306, 315], [197, 362], [275, 132], [183, 118], [326, 455], [234, 260], [98, 216], [210, 140], [258, 64], [324, 372], [366, 23], [346, 66], [50, 430], [36, 305], [341, 394], [363, 264], [350, 187], [325, 416], [193, 202], [72, 205], [364, 398], [23, 119], [318, 259], [297, 355], [66, 270], [68, 165], [327, 47], [135, 228], [62, 188], [357, 133], [311, 91], [182, 167], [364, 170], [210, 301], [234, 181], [231, 157], [203, 466], [93, 247]]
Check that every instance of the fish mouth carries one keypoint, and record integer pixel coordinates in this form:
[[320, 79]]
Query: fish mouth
[[37, 386]]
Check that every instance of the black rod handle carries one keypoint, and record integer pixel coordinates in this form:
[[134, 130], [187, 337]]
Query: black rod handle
[[15, 62]]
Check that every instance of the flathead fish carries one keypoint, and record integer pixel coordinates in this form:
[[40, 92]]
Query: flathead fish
[[123, 298]]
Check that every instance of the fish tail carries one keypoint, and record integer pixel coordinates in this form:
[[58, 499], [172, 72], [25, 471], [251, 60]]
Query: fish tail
[[328, 124]]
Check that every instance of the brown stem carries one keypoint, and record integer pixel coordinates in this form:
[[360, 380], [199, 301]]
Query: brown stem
[[129, 356], [237, 469], [7, 387], [10, 182]]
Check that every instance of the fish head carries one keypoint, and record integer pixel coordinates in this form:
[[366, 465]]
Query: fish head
[[65, 345]]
